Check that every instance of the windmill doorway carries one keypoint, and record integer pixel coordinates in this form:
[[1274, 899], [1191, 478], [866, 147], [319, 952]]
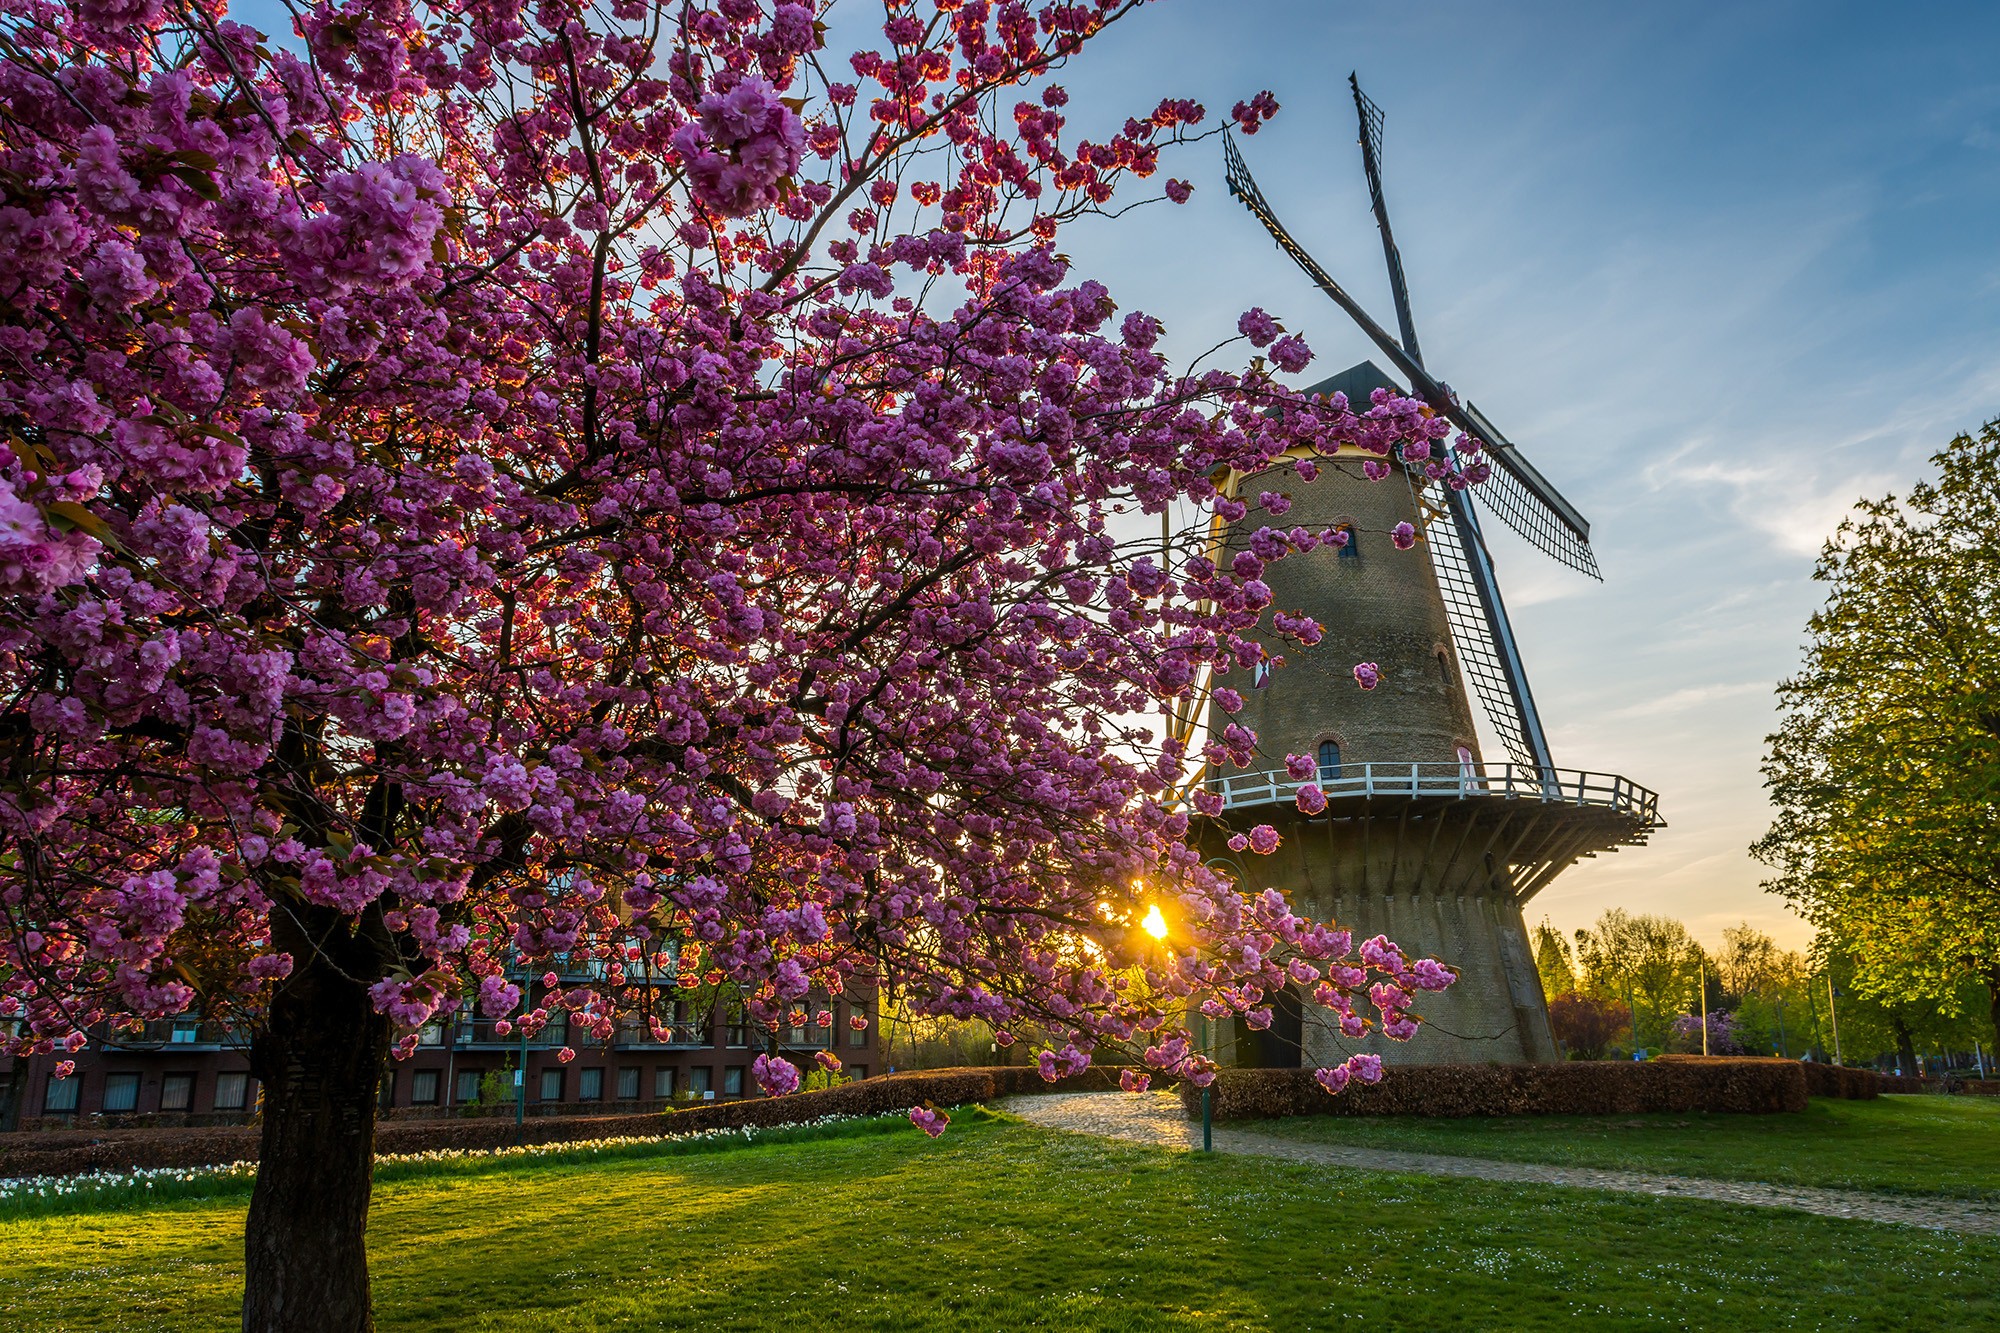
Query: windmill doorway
[[1279, 1046]]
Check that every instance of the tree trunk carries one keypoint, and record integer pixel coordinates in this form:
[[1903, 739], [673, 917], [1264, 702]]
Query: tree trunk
[[319, 1057], [15, 1091], [1993, 1007], [1906, 1051]]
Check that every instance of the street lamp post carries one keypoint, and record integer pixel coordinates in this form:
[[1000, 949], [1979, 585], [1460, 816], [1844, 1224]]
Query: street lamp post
[[1833, 1017], [1701, 987]]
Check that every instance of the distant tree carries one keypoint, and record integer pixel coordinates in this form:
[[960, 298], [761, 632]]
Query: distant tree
[[1587, 1026], [1553, 961], [1750, 960], [1649, 962], [1886, 769]]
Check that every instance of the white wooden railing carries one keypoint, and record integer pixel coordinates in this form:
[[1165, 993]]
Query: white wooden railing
[[1566, 786]]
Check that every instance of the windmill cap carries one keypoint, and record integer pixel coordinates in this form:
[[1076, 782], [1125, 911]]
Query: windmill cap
[[1358, 382]]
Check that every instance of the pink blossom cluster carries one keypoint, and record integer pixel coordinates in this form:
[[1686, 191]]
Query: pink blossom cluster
[[446, 571], [744, 143], [778, 1077]]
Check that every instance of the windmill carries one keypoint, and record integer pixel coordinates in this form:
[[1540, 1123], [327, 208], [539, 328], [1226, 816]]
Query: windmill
[[1419, 838]]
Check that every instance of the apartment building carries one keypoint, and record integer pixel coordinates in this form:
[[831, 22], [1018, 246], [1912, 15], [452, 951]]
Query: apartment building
[[186, 1071]]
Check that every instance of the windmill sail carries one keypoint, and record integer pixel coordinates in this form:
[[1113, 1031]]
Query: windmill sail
[[1523, 499]]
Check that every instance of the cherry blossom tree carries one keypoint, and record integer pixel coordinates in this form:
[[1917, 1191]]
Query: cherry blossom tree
[[491, 481]]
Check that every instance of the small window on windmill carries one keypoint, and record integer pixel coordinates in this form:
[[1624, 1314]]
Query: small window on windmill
[[1260, 675], [1351, 548], [1329, 761]]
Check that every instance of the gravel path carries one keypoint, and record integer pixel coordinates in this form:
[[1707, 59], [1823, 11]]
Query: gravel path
[[1156, 1120]]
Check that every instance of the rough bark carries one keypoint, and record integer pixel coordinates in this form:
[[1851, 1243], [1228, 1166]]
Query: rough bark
[[319, 1057]]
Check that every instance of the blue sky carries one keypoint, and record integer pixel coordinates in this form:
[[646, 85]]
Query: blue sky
[[1719, 269]]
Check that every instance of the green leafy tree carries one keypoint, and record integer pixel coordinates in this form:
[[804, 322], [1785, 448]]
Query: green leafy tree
[[1649, 963], [1885, 770], [1553, 961]]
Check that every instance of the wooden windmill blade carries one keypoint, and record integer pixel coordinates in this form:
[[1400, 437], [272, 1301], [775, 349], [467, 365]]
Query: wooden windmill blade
[[1520, 495]]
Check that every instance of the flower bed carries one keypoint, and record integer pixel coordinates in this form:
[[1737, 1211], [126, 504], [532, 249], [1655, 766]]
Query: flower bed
[[1751, 1086], [96, 1188]]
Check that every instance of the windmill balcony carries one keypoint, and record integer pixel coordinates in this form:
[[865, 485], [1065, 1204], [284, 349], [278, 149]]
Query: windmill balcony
[[1437, 828], [1448, 780]]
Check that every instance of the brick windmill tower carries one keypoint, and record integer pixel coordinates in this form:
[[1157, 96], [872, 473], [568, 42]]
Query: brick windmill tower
[[1425, 838]]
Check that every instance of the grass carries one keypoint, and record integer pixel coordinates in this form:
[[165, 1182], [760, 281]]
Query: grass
[[1001, 1225], [98, 1191], [1906, 1144]]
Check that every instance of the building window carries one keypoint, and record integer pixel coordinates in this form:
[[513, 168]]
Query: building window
[[60, 1099], [590, 1085], [628, 1085], [663, 1082], [738, 1027], [732, 1081], [857, 1072], [1329, 761], [121, 1094], [424, 1087], [698, 1080], [177, 1092], [431, 1034], [1351, 549], [185, 1032], [552, 1081], [232, 1091], [468, 1085]]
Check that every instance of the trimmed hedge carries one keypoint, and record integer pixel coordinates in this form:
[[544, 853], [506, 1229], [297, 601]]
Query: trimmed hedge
[[68, 1152], [1750, 1086], [1854, 1085]]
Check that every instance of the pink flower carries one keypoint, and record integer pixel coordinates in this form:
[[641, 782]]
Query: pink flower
[[1311, 800], [929, 1121], [1299, 767], [1333, 1080], [1429, 974], [1291, 355], [1402, 536], [1367, 675], [64, 1068], [823, 1019], [565, 1055], [777, 1077], [1263, 840], [1367, 1068], [1258, 327], [1179, 190], [1131, 1080], [858, 1022], [827, 1060]]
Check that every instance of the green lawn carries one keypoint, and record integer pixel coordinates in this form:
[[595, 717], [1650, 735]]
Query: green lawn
[[1907, 1144], [1000, 1225]]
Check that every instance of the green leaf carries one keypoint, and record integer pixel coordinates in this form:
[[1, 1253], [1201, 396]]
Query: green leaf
[[200, 182]]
